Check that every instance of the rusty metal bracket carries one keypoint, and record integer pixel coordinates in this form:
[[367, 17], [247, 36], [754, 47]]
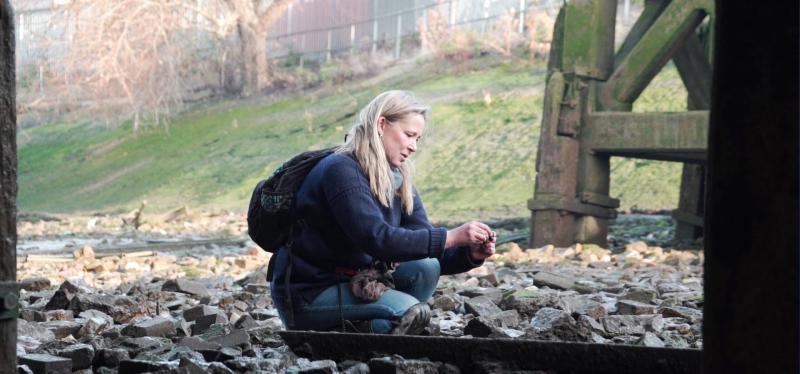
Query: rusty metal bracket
[[571, 206], [571, 108], [9, 300]]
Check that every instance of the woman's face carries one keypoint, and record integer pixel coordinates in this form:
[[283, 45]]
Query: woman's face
[[400, 137]]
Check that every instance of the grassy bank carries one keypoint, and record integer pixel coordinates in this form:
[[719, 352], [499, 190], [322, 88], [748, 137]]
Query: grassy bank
[[477, 159]]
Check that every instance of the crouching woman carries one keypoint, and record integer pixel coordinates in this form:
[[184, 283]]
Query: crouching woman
[[364, 256]]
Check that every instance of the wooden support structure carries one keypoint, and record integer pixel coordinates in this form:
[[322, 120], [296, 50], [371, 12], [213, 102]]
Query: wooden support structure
[[9, 293], [587, 115]]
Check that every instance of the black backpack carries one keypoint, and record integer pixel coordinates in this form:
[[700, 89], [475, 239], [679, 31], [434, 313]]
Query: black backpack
[[270, 217]]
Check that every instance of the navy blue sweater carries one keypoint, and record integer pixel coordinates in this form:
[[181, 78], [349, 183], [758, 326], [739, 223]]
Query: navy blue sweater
[[346, 226]]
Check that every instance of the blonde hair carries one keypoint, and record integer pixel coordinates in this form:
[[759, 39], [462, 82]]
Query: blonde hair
[[364, 143]]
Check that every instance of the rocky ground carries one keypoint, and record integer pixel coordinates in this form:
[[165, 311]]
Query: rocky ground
[[207, 310]]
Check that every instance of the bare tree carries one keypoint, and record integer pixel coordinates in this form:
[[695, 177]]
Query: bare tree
[[141, 59], [253, 19]]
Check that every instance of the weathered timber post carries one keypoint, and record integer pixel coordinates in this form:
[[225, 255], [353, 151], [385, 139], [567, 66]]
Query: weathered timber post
[[9, 294], [587, 114], [582, 52]]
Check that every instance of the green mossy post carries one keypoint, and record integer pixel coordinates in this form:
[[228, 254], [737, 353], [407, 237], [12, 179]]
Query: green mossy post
[[583, 46], [587, 116], [8, 187]]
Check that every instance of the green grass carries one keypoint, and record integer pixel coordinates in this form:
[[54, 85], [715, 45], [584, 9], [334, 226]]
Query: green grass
[[475, 161]]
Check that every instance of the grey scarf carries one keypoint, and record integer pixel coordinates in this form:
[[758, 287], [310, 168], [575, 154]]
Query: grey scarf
[[397, 179]]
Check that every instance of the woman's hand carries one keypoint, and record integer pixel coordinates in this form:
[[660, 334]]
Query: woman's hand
[[470, 233], [480, 252]]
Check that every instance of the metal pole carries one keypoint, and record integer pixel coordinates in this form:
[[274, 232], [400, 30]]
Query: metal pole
[[289, 19], [521, 16], [397, 39], [352, 39], [374, 36], [9, 293], [330, 40], [453, 5], [374, 26]]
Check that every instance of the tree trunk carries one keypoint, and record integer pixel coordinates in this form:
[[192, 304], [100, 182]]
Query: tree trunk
[[253, 21], [254, 70]]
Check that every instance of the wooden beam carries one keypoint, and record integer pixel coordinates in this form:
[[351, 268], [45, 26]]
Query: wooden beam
[[695, 72], [632, 75], [619, 133]]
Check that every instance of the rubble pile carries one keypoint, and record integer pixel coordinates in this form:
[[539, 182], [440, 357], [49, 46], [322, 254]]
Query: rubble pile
[[209, 315], [643, 295]]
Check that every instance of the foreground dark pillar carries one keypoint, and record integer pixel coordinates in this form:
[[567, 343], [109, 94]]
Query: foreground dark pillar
[[8, 193], [751, 283]]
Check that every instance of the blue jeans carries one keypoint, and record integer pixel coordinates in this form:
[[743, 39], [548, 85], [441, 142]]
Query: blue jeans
[[414, 283]]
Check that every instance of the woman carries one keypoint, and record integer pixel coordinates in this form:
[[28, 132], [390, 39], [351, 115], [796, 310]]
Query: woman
[[359, 208]]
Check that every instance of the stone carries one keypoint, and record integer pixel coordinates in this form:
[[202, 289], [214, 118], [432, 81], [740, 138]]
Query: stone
[[481, 306], [157, 326], [397, 364], [53, 315], [507, 318], [318, 367], [690, 314], [111, 357], [120, 308], [358, 368], [479, 327], [93, 326], [61, 300], [670, 287], [235, 339], [81, 355], [221, 354], [245, 322], [634, 307], [632, 324], [179, 352], [84, 252], [218, 368], [44, 363], [191, 366], [62, 329], [641, 295], [555, 324], [197, 343], [580, 305], [135, 366], [650, 340], [444, 302], [34, 331], [257, 288], [35, 284], [592, 324], [493, 294], [545, 318], [196, 312], [597, 338], [146, 344], [553, 281], [186, 286], [673, 339], [201, 324], [261, 314]]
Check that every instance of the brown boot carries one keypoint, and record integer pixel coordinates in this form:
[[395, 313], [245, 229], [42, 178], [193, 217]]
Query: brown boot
[[414, 320]]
